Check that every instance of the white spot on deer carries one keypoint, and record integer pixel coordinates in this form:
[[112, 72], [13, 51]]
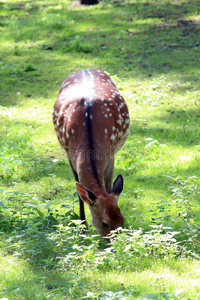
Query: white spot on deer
[[119, 122], [108, 109], [126, 132], [105, 104], [105, 115], [66, 83], [113, 128], [67, 135], [112, 137], [127, 121], [72, 131]]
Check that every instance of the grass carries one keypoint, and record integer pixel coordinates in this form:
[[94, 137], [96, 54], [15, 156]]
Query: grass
[[151, 51]]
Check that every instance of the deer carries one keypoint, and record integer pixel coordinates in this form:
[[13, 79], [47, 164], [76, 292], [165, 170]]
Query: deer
[[91, 121]]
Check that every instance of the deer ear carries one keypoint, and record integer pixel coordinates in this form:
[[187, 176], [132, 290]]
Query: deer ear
[[85, 194], [118, 185]]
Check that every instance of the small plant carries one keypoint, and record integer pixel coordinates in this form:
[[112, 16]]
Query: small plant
[[79, 46], [185, 201], [29, 68], [19, 211], [129, 245]]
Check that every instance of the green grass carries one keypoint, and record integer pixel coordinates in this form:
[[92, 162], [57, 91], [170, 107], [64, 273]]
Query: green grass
[[151, 51]]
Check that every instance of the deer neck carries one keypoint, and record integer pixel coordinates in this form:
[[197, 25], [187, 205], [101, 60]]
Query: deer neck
[[90, 175]]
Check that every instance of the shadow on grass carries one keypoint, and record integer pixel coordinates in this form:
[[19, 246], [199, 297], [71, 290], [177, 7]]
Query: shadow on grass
[[22, 162], [158, 39], [41, 283], [172, 127], [50, 282]]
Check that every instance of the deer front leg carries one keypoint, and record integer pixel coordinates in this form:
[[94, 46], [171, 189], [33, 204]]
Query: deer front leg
[[82, 212], [108, 175], [81, 203]]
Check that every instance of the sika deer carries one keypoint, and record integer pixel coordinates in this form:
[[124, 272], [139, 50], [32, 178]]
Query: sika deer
[[91, 121]]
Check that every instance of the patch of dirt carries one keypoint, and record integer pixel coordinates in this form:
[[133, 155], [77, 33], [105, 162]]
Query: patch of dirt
[[77, 3]]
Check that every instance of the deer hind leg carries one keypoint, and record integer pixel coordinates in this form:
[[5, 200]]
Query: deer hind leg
[[81, 203], [108, 175]]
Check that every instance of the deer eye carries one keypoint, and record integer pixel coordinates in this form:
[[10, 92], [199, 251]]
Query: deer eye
[[105, 225]]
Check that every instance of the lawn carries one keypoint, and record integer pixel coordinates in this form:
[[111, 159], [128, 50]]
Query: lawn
[[151, 51]]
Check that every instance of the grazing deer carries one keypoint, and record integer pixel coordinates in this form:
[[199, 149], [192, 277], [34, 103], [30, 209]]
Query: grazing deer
[[91, 121]]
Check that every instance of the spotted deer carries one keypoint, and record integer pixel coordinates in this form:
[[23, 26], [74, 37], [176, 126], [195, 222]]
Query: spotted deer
[[91, 121]]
